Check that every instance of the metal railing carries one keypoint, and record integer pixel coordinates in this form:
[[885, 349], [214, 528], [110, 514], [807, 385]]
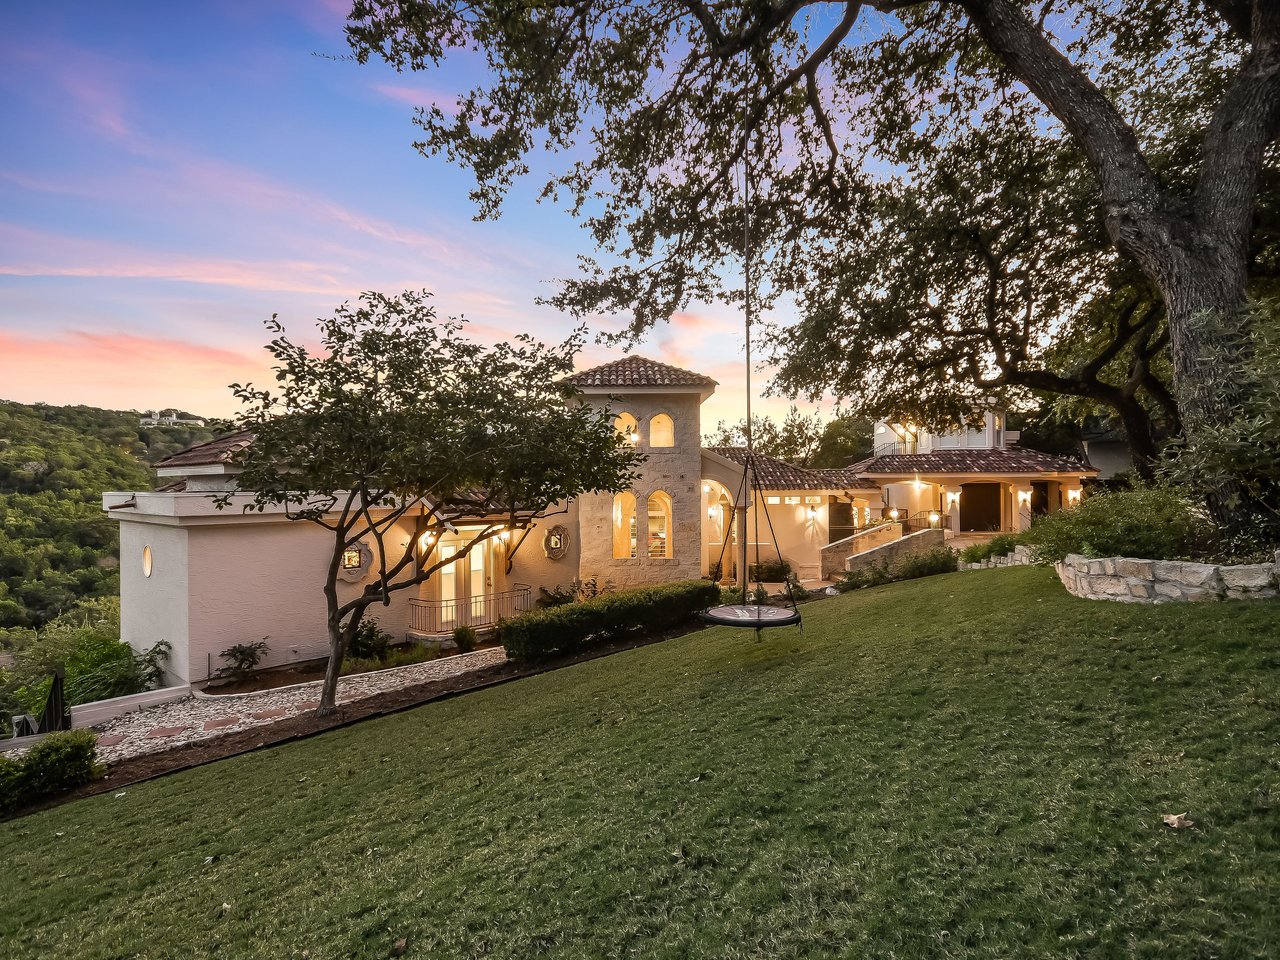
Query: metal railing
[[486, 609], [895, 447]]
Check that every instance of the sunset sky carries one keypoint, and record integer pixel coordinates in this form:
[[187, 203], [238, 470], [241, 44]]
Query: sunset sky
[[172, 174]]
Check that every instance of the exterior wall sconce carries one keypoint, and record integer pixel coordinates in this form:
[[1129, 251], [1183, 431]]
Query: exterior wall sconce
[[706, 488], [953, 499], [812, 513], [711, 513], [426, 540], [934, 518], [893, 514], [1073, 497], [1024, 498]]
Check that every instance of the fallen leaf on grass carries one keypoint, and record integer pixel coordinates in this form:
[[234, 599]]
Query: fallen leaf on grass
[[1179, 821], [399, 947]]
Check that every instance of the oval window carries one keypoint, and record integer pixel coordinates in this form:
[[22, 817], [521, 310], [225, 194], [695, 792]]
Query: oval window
[[146, 561]]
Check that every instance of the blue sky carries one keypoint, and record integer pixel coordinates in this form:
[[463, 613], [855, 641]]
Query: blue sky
[[172, 174]]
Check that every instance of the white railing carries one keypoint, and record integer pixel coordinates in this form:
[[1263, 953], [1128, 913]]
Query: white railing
[[444, 616]]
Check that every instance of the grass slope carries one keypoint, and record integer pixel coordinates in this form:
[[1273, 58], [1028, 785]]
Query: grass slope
[[968, 766]]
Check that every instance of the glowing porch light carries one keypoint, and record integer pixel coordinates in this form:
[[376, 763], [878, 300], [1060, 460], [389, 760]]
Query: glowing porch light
[[934, 518], [893, 514], [1073, 497], [1024, 498]]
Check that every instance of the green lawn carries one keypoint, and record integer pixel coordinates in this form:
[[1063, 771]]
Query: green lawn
[[972, 765]]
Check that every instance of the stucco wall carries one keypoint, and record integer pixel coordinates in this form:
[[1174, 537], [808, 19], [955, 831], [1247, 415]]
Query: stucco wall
[[251, 580], [531, 564], [154, 608], [887, 553], [673, 470]]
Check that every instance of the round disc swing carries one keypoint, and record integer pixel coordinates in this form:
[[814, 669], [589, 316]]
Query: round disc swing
[[756, 616]]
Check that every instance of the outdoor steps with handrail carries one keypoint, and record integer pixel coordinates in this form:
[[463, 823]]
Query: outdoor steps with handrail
[[834, 555], [435, 618]]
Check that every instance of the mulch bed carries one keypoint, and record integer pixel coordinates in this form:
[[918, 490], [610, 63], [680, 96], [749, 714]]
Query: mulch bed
[[152, 765]]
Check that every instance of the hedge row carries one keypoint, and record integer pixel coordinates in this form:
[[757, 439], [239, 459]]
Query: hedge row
[[578, 626], [60, 762]]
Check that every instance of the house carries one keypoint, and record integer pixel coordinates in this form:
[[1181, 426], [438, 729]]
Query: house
[[204, 578]]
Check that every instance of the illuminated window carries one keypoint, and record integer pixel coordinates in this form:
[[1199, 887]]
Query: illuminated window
[[772, 500], [792, 500], [812, 499], [624, 526], [662, 431], [147, 562], [659, 525], [352, 559], [627, 428]]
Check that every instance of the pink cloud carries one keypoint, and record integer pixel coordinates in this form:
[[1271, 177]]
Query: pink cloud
[[419, 97], [33, 253], [123, 371]]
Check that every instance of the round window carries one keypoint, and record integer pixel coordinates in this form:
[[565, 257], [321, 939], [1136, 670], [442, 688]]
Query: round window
[[146, 561]]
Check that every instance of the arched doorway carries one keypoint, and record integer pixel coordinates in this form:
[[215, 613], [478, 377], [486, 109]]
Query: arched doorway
[[717, 523]]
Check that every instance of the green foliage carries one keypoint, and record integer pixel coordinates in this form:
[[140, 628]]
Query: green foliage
[[86, 643], [59, 762], [1152, 523], [795, 439], [771, 570], [56, 544], [1242, 449], [401, 655], [576, 590], [998, 546], [241, 659], [370, 640], [910, 566], [569, 628], [844, 440], [465, 639]]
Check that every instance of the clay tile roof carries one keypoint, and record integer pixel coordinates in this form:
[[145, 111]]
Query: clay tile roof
[[777, 474], [633, 371], [1009, 460], [219, 450]]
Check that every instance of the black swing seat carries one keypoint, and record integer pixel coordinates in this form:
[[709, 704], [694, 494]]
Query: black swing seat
[[755, 615]]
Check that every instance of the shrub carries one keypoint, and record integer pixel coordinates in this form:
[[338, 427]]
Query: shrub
[[910, 566], [776, 570], [998, 546], [576, 626], [465, 639], [576, 590], [370, 641], [60, 762], [403, 655], [241, 658], [1154, 524]]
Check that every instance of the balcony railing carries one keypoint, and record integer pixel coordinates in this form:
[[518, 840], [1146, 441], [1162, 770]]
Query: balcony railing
[[484, 610]]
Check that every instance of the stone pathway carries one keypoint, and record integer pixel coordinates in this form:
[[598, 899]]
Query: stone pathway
[[205, 717]]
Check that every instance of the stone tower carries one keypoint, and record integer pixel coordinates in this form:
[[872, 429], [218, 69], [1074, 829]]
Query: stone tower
[[651, 533]]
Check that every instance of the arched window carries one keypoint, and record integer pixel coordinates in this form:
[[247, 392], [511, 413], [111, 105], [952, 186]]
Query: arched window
[[662, 431], [624, 526], [628, 428], [659, 525]]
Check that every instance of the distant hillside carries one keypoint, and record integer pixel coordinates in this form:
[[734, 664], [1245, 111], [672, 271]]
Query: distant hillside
[[56, 545]]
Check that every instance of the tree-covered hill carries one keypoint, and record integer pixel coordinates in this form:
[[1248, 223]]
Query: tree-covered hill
[[56, 545]]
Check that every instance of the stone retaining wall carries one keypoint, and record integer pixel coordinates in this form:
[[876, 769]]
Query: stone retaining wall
[[1128, 580], [1020, 557], [886, 553]]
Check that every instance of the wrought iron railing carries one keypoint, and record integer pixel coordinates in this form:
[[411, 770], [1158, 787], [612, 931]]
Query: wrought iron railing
[[483, 610]]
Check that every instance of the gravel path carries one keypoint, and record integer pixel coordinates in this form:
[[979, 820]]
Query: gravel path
[[202, 718]]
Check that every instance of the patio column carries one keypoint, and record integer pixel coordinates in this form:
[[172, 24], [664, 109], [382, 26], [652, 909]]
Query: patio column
[[1021, 506], [951, 508]]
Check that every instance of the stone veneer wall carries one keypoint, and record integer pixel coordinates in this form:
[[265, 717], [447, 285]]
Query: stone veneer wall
[[675, 470], [888, 552], [1020, 557], [1128, 580], [834, 555]]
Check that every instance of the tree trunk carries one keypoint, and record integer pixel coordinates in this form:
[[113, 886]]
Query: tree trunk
[[1204, 293], [332, 670], [1139, 433]]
